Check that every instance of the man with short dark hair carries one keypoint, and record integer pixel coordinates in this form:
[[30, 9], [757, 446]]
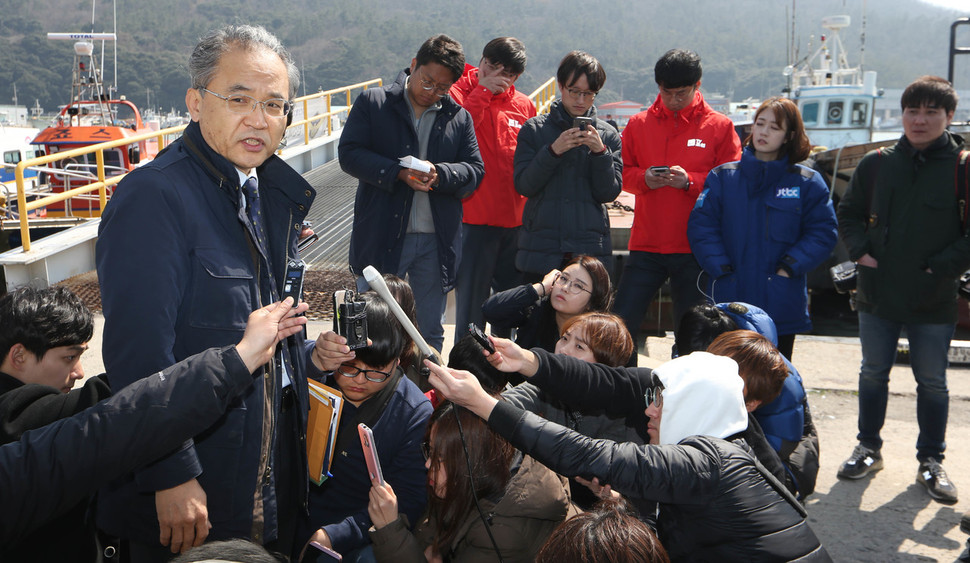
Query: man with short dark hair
[[493, 214], [43, 333], [191, 243], [667, 152], [904, 225], [407, 215]]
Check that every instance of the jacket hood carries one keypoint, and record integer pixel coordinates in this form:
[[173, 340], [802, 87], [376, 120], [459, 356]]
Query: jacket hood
[[557, 111], [942, 147], [470, 79], [751, 317], [659, 110], [762, 173], [533, 492], [702, 395], [448, 105]]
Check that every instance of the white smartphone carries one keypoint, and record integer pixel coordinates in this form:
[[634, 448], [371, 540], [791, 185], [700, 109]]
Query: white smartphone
[[370, 453]]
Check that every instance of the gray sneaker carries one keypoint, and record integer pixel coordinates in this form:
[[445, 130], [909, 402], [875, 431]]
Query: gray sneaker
[[932, 476], [965, 522], [862, 462]]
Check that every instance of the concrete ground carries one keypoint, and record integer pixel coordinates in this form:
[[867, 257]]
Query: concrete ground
[[884, 518]]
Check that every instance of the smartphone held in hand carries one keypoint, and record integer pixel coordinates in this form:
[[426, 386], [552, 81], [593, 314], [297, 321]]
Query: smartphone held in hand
[[370, 453], [582, 122]]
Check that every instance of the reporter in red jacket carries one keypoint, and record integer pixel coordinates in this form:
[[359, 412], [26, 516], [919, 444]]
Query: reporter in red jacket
[[681, 133]]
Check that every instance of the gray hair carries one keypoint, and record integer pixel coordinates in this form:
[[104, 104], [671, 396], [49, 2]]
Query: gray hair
[[206, 55]]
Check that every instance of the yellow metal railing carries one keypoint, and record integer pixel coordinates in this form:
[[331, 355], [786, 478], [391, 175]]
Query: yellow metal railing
[[24, 207], [544, 95], [329, 94]]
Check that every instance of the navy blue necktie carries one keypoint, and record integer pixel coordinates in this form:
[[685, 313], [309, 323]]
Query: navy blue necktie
[[255, 213]]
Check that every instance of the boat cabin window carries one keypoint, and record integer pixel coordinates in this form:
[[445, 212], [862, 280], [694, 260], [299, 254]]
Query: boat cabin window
[[810, 113], [834, 114], [11, 157], [859, 111]]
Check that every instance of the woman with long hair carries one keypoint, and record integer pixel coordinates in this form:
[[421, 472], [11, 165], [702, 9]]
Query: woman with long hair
[[762, 223], [485, 499]]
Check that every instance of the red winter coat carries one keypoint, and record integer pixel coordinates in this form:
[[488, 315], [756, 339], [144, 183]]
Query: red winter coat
[[497, 119], [697, 139]]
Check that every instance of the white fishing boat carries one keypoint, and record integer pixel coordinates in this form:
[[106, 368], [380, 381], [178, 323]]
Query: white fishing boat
[[836, 99]]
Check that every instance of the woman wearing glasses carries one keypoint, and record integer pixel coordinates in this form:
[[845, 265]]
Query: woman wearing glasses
[[377, 393], [539, 310], [568, 168], [717, 503]]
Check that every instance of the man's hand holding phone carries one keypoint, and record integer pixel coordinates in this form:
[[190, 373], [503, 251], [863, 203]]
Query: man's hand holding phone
[[659, 176]]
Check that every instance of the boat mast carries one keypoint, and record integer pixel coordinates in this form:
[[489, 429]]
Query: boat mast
[[86, 80]]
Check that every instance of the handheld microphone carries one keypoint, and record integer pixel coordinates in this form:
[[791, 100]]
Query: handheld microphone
[[377, 283]]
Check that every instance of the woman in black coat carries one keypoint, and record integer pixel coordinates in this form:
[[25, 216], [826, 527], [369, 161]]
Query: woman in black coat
[[717, 503]]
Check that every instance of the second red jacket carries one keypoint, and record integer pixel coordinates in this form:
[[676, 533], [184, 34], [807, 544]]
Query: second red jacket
[[497, 119], [697, 139]]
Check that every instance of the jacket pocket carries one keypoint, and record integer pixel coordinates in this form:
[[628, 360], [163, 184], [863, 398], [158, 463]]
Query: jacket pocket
[[783, 220], [221, 290], [866, 282], [933, 292]]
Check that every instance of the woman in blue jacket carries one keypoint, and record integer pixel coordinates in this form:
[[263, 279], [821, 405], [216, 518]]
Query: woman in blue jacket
[[762, 223]]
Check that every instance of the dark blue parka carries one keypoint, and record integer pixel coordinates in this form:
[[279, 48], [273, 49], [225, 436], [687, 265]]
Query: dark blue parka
[[178, 276], [378, 132], [754, 218]]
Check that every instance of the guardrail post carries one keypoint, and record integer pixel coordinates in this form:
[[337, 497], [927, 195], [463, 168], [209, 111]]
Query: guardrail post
[[103, 190], [22, 205]]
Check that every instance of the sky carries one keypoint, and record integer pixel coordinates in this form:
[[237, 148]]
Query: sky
[[961, 5]]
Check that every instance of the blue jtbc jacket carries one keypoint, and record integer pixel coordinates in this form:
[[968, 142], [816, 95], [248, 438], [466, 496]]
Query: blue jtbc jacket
[[754, 218]]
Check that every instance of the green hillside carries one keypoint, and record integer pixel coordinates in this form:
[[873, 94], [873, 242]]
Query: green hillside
[[743, 43]]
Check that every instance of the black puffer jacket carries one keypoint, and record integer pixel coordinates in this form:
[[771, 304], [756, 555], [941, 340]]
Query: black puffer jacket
[[523, 309], [564, 212], [715, 505]]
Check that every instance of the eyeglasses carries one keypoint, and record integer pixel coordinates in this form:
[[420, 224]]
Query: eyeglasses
[[576, 93], [570, 286], [426, 450], [428, 85], [654, 396], [244, 105], [678, 93], [353, 371]]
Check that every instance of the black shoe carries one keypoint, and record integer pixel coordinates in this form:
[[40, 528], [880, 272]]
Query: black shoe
[[965, 522], [862, 462], [932, 476]]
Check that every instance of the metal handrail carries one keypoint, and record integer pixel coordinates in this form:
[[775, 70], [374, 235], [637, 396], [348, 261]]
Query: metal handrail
[[23, 207], [329, 113], [103, 182], [544, 95]]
